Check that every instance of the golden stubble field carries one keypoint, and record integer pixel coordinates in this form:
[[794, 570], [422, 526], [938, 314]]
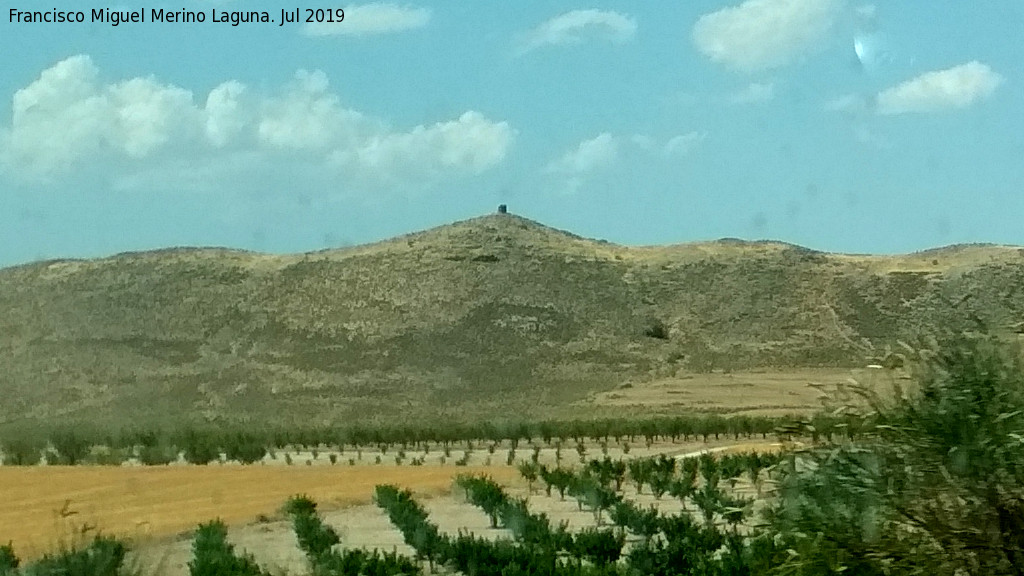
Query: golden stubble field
[[752, 392], [46, 505]]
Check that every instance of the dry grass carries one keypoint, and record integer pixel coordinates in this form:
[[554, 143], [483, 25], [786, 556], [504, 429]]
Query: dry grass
[[761, 392], [46, 505]]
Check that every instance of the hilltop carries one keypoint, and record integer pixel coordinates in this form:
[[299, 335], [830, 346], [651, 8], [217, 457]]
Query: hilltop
[[496, 316]]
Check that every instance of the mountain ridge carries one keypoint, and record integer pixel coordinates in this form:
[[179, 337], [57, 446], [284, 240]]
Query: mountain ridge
[[481, 318], [525, 223]]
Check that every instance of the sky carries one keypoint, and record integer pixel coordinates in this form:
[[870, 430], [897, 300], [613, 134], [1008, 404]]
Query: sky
[[841, 126]]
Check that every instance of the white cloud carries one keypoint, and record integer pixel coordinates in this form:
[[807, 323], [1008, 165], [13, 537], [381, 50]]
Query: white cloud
[[68, 121], [579, 25], [371, 19], [147, 115], [66, 113], [953, 88], [470, 144], [308, 116], [56, 117], [683, 144], [589, 155], [956, 87], [753, 93], [764, 34], [225, 113]]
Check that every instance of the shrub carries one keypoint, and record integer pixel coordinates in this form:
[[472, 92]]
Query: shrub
[[484, 493], [71, 448], [199, 448], [8, 560], [315, 538], [103, 557], [22, 452], [157, 455], [245, 449], [529, 471], [601, 547], [212, 555], [937, 487], [656, 329]]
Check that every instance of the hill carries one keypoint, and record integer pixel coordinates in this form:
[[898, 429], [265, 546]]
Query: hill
[[493, 317]]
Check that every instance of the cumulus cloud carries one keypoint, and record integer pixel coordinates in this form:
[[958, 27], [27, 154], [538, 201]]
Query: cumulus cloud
[[147, 115], [67, 113], [950, 89], [472, 143], [605, 152], [226, 114], [753, 93], [956, 87], [308, 116], [372, 19], [585, 158], [579, 25], [588, 155], [56, 117], [68, 119], [764, 34]]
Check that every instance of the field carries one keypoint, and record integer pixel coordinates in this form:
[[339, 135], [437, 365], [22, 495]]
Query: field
[[623, 496], [157, 508], [751, 392], [47, 503]]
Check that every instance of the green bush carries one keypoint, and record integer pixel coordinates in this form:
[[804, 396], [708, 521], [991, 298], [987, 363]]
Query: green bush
[[601, 547], [157, 455], [200, 447], [245, 448], [656, 328], [22, 451], [935, 487], [71, 447], [8, 560], [315, 538], [212, 555], [103, 557]]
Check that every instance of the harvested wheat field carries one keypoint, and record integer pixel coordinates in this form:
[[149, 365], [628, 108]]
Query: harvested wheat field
[[759, 392], [47, 505]]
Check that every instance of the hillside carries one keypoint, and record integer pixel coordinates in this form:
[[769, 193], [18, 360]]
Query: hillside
[[496, 316]]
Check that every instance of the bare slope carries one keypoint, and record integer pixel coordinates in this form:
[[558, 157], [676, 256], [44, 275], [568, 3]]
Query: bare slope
[[496, 316]]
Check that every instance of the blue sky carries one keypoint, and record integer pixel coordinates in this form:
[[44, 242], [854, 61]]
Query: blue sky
[[841, 126]]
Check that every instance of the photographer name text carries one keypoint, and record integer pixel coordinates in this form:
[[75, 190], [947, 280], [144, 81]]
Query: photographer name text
[[162, 16]]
